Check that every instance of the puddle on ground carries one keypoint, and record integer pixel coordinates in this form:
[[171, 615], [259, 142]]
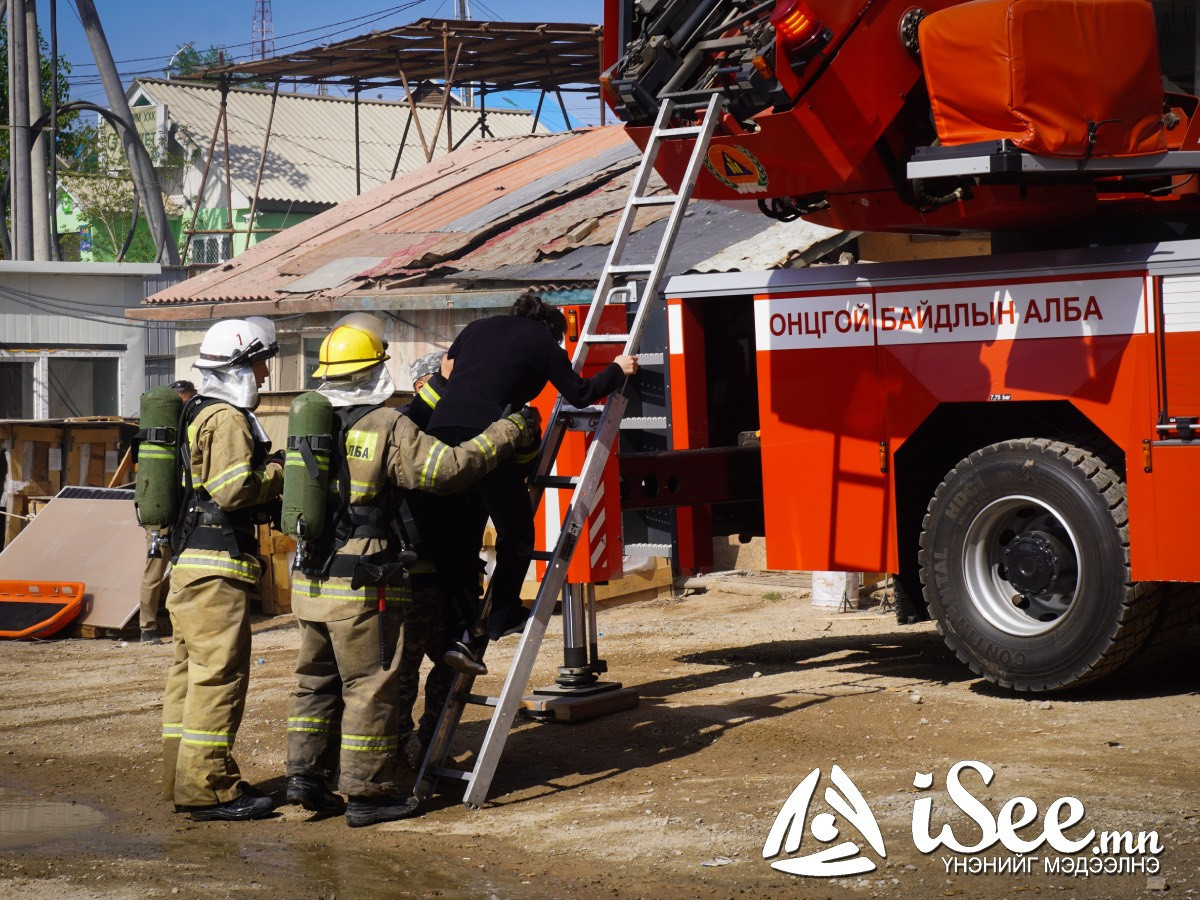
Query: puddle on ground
[[26, 820]]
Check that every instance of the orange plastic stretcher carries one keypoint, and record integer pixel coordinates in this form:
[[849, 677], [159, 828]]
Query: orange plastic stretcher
[[38, 609]]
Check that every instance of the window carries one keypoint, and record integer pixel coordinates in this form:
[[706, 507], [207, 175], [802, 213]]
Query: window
[[82, 387], [292, 369], [210, 249], [16, 390], [312, 353], [45, 383]]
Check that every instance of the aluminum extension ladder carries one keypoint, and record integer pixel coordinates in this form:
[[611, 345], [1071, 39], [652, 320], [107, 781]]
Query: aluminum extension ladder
[[608, 420]]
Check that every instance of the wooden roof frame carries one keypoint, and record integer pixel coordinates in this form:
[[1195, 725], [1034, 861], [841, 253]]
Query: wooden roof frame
[[496, 56], [486, 56]]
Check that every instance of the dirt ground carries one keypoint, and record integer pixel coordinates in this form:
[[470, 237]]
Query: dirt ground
[[743, 694]]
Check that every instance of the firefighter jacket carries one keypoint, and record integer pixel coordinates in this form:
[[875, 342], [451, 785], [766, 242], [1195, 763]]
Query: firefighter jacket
[[385, 453], [426, 400], [229, 472]]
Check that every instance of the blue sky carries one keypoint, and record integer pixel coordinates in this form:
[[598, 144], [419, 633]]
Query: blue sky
[[143, 34]]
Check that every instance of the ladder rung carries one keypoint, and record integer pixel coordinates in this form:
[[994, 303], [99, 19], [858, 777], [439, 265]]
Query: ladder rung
[[655, 200], [604, 338], [631, 268], [455, 774], [650, 359], [688, 131], [644, 423], [480, 700], [555, 481]]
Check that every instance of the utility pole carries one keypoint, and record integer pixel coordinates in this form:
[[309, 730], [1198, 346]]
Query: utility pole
[[140, 167], [40, 206], [18, 90], [262, 36], [462, 11]]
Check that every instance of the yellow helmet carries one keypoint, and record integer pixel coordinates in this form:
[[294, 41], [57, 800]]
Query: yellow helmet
[[352, 346]]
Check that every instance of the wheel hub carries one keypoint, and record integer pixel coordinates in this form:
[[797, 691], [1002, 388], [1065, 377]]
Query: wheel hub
[[1036, 562]]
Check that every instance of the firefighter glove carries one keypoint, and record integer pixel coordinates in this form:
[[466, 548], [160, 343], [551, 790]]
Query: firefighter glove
[[529, 420]]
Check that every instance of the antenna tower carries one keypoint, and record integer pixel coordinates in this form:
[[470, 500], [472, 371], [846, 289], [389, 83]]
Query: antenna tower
[[262, 39]]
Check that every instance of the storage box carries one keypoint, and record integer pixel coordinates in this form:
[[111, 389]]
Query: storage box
[[1037, 72]]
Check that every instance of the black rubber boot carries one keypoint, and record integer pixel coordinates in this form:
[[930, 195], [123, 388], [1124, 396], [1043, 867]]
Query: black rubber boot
[[465, 659], [240, 809], [362, 811], [313, 794]]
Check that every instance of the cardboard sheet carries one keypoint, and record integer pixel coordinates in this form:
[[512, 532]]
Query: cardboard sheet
[[95, 539]]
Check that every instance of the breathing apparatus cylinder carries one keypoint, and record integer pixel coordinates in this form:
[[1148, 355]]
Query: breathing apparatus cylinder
[[306, 468], [157, 488]]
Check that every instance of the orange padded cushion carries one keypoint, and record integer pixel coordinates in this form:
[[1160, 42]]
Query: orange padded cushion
[[1036, 72]]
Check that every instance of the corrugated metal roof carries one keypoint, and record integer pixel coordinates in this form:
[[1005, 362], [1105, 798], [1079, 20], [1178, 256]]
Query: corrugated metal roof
[[537, 209], [547, 184], [705, 226], [258, 273], [310, 158], [782, 245]]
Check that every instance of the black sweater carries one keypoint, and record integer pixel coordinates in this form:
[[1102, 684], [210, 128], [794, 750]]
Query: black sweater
[[505, 361]]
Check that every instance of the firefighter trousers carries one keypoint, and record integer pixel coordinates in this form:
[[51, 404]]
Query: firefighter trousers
[[424, 632], [344, 716], [206, 689], [155, 581]]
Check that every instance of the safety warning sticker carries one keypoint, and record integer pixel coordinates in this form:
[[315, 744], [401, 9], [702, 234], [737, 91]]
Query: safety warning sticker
[[737, 168]]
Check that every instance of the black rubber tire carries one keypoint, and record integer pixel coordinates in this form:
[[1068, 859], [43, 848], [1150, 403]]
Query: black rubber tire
[[1178, 613], [1065, 639]]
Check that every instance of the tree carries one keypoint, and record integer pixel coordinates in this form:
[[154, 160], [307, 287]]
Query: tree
[[67, 140], [102, 186], [188, 60]]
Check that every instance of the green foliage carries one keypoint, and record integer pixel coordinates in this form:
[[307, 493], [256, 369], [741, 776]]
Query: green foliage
[[102, 186], [188, 60], [68, 140]]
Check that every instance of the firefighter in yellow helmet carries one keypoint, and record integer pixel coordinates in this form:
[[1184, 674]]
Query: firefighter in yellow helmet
[[352, 592], [229, 484]]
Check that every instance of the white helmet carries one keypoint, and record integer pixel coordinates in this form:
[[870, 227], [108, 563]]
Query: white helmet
[[236, 342]]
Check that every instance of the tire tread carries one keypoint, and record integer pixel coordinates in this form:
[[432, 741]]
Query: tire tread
[[1141, 600]]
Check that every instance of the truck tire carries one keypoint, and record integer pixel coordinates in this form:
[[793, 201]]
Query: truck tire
[[1024, 555], [1178, 613]]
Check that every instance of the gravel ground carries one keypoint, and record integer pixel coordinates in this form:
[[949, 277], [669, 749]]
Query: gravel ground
[[744, 694]]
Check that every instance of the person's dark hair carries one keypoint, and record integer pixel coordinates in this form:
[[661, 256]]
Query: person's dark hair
[[530, 306]]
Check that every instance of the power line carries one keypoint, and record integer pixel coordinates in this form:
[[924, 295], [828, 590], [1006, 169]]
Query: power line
[[372, 16], [22, 299]]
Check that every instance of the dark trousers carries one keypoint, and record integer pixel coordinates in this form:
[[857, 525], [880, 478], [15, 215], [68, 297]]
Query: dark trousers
[[458, 538]]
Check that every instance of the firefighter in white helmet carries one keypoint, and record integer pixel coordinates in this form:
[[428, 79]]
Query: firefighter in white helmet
[[229, 483], [351, 594]]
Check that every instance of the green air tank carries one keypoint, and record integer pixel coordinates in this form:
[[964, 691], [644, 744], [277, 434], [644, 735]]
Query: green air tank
[[157, 488], [306, 466]]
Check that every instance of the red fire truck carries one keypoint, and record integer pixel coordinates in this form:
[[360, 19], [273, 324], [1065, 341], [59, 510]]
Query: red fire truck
[[1013, 436]]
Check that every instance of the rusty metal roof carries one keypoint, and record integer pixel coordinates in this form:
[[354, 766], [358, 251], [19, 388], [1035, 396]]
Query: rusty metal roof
[[497, 215]]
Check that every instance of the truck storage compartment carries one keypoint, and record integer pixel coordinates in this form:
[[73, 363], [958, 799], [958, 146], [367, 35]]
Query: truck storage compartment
[[1052, 76]]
